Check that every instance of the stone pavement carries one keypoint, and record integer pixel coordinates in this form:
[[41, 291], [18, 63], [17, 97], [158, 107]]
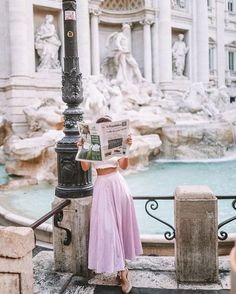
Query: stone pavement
[[149, 275]]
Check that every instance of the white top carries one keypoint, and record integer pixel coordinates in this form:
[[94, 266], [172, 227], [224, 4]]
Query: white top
[[112, 162]]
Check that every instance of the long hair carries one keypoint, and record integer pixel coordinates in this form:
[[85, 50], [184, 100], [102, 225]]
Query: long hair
[[105, 118]]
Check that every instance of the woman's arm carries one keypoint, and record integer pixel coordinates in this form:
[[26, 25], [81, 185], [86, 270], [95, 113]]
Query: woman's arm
[[84, 164], [124, 162]]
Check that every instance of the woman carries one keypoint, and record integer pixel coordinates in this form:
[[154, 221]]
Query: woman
[[114, 234]]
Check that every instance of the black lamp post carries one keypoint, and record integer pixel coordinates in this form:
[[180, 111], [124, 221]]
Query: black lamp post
[[73, 182]]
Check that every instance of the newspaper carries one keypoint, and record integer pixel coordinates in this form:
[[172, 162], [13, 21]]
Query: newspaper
[[103, 141]]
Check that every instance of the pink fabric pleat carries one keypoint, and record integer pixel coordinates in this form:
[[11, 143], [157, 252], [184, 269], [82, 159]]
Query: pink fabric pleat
[[114, 234]]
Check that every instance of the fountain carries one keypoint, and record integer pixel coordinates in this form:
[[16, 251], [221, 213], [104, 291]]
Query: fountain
[[195, 124], [162, 127]]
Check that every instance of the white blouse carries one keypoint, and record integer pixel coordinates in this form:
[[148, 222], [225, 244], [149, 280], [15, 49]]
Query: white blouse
[[112, 162]]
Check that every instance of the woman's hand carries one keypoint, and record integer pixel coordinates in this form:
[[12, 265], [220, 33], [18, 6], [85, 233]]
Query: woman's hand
[[80, 142], [129, 140]]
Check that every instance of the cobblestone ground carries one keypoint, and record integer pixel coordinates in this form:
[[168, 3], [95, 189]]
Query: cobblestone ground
[[149, 275]]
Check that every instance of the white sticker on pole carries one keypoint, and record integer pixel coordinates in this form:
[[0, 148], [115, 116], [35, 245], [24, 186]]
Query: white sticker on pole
[[70, 15]]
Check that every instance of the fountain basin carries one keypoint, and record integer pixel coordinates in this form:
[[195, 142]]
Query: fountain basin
[[25, 205], [153, 244]]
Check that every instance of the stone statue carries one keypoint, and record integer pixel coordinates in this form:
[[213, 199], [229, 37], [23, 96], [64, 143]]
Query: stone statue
[[120, 63], [196, 100], [47, 45], [220, 97], [179, 51]]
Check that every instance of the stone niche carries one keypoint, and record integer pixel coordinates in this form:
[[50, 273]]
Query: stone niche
[[175, 34], [40, 13], [136, 42]]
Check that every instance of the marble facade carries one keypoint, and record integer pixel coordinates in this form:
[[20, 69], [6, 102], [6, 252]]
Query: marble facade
[[209, 29]]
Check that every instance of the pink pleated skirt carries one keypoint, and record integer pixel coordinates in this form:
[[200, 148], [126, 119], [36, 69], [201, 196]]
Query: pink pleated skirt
[[114, 234]]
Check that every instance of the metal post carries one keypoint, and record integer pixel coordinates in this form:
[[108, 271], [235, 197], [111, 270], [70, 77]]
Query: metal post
[[73, 182]]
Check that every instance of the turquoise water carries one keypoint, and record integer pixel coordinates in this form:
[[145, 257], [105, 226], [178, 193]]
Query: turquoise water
[[160, 179]]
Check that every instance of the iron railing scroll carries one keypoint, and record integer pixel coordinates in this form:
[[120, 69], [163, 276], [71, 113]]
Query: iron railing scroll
[[152, 205], [57, 213]]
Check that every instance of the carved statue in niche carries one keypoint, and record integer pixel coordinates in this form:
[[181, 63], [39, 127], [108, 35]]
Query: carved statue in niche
[[47, 45], [120, 63], [179, 51]]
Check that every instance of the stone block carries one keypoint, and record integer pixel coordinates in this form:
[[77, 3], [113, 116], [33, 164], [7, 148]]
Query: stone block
[[73, 258], [196, 243], [16, 242], [16, 269]]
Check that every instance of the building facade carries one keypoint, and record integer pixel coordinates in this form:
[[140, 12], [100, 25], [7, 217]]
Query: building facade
[[208, 29]]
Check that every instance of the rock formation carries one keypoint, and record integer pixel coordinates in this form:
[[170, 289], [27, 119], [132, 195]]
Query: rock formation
[[196, 124]]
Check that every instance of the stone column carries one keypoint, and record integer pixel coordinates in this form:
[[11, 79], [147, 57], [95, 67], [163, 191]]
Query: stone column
[[18, 37], [147, 48], [155, 53], [196, 243], [220, 23], [16, 268], [4, 42], [95, 41], [202, 41], [233, 270], [165, 54], [83, 30]]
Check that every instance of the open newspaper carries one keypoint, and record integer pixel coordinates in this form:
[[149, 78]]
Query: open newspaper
[[103, 141]]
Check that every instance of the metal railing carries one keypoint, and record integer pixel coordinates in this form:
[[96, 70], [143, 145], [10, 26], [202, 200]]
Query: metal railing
[[57, 213], [152, 205]]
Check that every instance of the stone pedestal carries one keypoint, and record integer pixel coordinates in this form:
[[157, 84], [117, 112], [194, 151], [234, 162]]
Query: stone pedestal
[[74, 257], [196, 244], [233, 270], [16, 269]]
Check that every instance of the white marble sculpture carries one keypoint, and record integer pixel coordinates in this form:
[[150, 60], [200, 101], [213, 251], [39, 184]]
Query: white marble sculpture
[[120, 63], [179, 51], [193, 125], [47, 45], [45, 114], [196, 100], [220, 97]]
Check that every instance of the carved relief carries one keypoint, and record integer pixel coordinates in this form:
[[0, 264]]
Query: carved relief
[[122, 4], [178, 4]]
